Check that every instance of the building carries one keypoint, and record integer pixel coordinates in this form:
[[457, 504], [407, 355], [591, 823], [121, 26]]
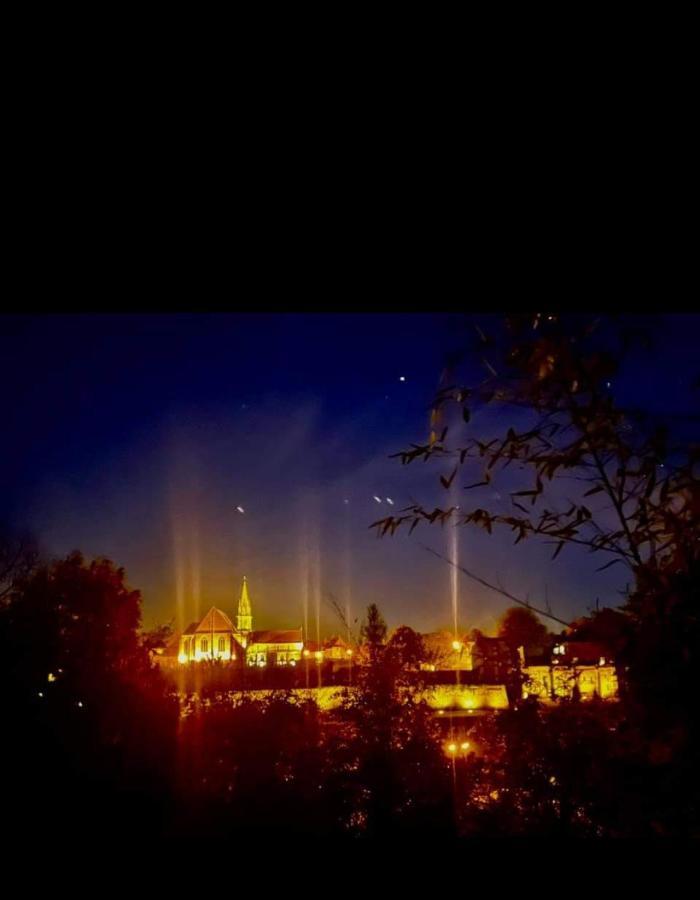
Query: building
[[585, 665], [215, 637], [446, 652]]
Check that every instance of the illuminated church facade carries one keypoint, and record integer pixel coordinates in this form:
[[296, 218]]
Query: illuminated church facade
[[215, 637]]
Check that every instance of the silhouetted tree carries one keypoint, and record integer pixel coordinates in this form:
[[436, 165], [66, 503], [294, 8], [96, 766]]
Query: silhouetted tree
[[93, 726], [19, 557], [520, 627], [637, 506]]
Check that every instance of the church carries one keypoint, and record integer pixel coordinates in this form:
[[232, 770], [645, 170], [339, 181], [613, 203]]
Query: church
[[215, 637]]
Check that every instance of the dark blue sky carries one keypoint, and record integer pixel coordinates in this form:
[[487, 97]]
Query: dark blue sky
[[136, 437]]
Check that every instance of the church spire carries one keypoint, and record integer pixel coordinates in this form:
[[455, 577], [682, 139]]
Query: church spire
[[244, 619]]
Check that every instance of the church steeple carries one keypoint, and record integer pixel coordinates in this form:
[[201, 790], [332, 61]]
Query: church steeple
[[244, 619]]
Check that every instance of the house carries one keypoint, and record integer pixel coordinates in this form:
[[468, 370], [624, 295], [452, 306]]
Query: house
[[586, 665]]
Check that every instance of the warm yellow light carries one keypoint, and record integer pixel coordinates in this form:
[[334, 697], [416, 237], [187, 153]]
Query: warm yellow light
[[307, 653], [182, 658], [452, 748], [51, 676], [318, 654], [441, 712], [292, 662], [348, 652], [456, 645], [465, 745]]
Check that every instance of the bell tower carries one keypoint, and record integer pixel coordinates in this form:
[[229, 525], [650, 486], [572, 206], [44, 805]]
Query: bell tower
[[244, 619]]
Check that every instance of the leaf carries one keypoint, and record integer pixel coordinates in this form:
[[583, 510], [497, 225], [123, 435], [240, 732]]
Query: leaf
[[594, 490], [607, 565], [413, 525], [558, 550], [446, 482], [476, 484]]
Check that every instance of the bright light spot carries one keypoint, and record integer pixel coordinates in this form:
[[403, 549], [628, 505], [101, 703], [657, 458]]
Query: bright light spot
[[40, 694], [292, 662], [607, 383], [525, 695], [240, 509], [452, 748], [378, 499], [346, 501], [402, 377], [182, 658], [464, 745], [389, 500], [51, 677], [441, 712], [80, 703], [319, 655], [348, 652], [456, 645]]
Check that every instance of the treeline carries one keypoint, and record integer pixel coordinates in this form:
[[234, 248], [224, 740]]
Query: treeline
[[96, 735]]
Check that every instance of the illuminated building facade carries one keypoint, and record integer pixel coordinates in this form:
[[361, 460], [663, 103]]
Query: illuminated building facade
[[584, 665], [215, 637]]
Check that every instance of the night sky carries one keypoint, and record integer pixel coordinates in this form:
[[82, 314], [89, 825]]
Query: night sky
[[137, 437]]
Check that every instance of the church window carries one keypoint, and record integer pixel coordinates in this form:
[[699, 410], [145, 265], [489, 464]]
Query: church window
[[222, 645], [204, 646]]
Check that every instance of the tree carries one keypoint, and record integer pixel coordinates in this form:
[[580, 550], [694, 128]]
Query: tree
[[158, 636], [405, 649], [87, 707], [373, 631], [400, 771], [520, 627], [634, 502], [19, 556]]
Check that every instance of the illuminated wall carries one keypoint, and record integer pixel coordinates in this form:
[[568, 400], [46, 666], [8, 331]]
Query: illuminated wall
[[441, 697], [273, 654], [543, 681], [196, 647]]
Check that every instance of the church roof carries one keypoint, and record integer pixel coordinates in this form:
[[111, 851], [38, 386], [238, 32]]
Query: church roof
[[291, 636], [215, 620], [191, 628]]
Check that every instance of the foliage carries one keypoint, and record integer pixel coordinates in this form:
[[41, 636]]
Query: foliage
[[634, 502], [520, 627], [86, 705], [19, 557], [158, 637]]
